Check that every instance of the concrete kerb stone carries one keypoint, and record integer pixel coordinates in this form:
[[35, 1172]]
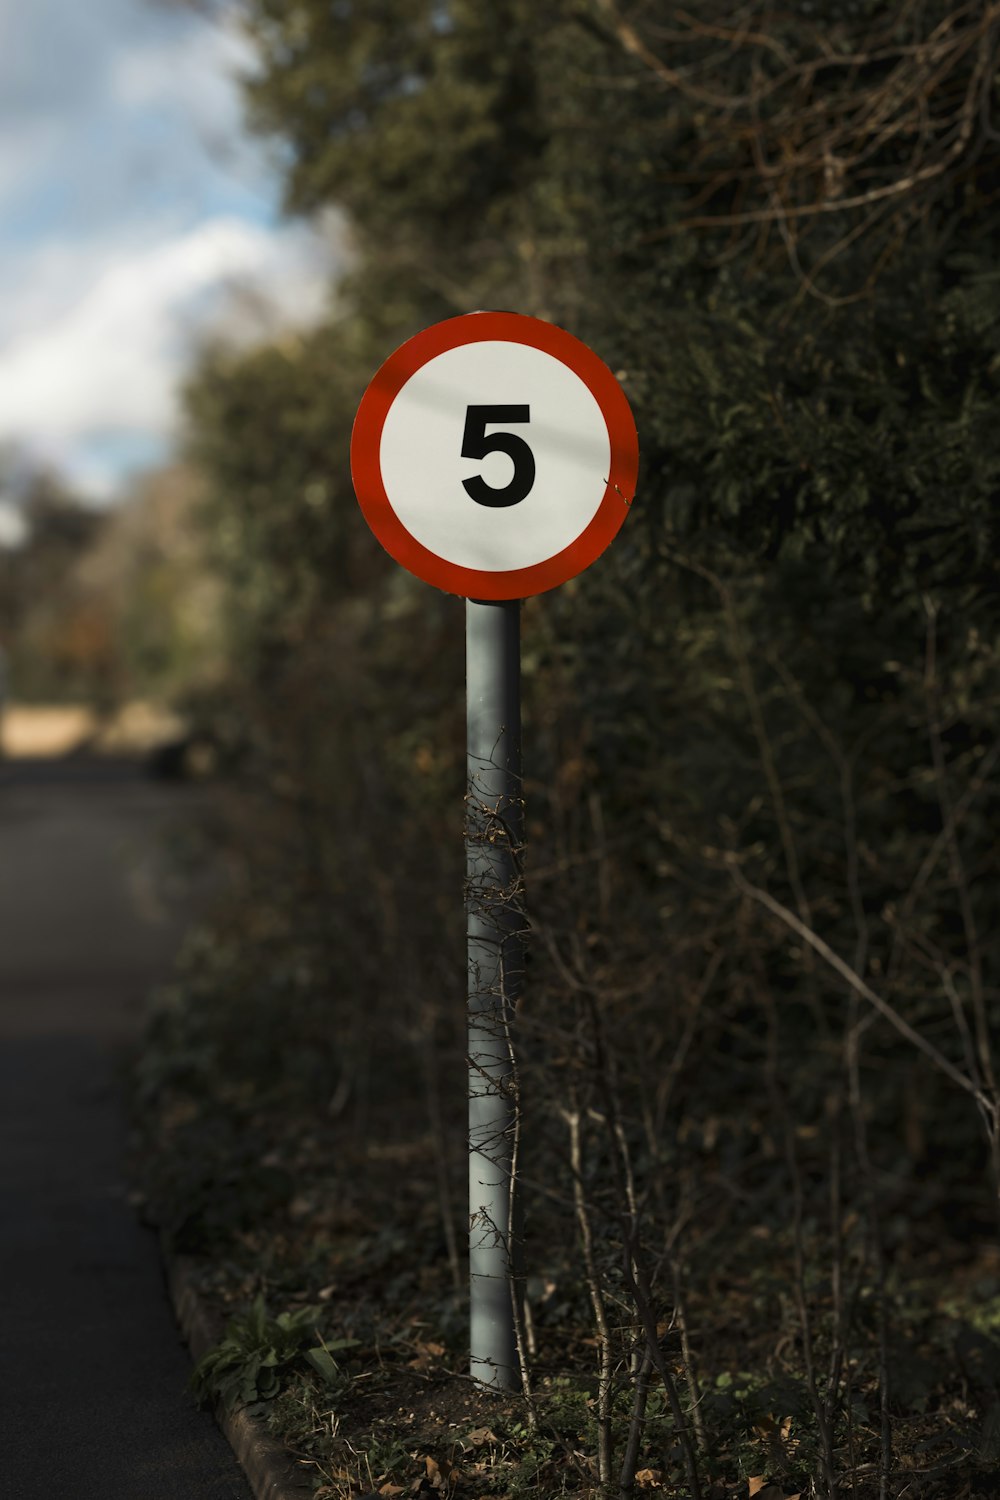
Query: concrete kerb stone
[[271, 1473]]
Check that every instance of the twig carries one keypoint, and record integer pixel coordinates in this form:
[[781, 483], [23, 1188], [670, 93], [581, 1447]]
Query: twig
[[514, 1235], [875, 1232], [854, 980], [640, 1395], [959, 877], [604, 1441]]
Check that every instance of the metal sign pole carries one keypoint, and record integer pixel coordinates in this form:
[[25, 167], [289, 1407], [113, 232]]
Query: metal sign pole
[[494, 834]]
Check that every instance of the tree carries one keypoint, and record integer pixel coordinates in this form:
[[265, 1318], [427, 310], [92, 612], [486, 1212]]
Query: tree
[[772, 703]]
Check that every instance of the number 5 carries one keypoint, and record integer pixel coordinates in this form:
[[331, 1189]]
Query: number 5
[[477, 443]]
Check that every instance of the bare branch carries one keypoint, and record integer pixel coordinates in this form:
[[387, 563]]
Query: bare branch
[[855, 981]]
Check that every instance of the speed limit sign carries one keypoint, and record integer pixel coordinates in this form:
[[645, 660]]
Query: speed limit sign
[[494, 455]]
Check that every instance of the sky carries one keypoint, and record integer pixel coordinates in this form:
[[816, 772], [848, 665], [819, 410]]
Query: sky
[[136, 215]]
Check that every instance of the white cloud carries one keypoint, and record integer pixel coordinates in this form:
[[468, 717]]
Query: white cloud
[[194, 64], [110, 363], [132, 211]]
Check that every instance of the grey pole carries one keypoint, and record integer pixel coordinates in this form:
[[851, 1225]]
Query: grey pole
[[494, 835]]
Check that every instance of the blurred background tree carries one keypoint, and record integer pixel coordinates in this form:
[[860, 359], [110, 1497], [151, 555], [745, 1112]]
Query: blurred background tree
[[101, 607]]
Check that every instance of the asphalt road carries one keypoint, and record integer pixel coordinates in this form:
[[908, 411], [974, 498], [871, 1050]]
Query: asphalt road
[[93, 1404]]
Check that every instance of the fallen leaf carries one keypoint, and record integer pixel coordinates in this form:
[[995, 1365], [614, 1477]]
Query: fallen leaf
[[758, 1481], [388, 1489], [646, 1478], [439, 1475], [478, 1436], [425, 1356]]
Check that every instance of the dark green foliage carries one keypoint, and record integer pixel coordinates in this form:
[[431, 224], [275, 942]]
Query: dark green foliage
[[246, 1366], [783, 679], [402, 106]]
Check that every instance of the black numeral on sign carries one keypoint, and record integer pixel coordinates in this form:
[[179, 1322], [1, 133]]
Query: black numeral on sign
[[477, 443]]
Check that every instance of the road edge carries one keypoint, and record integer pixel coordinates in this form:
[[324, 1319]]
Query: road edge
[[271, 1471]]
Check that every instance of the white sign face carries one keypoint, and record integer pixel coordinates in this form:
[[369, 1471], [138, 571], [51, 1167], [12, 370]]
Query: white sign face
[[494, 455], [474, 390]]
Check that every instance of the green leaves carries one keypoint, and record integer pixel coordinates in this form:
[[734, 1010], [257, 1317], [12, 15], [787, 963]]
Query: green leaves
[[412, 115], [324, 1363], [246, 1365]]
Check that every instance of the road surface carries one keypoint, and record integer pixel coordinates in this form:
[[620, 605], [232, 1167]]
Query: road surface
[[92, 1369]]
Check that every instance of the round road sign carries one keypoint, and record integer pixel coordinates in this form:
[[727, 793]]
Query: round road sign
[[494, 455]]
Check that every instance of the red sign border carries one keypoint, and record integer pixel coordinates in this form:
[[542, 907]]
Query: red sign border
[[366, 470]]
